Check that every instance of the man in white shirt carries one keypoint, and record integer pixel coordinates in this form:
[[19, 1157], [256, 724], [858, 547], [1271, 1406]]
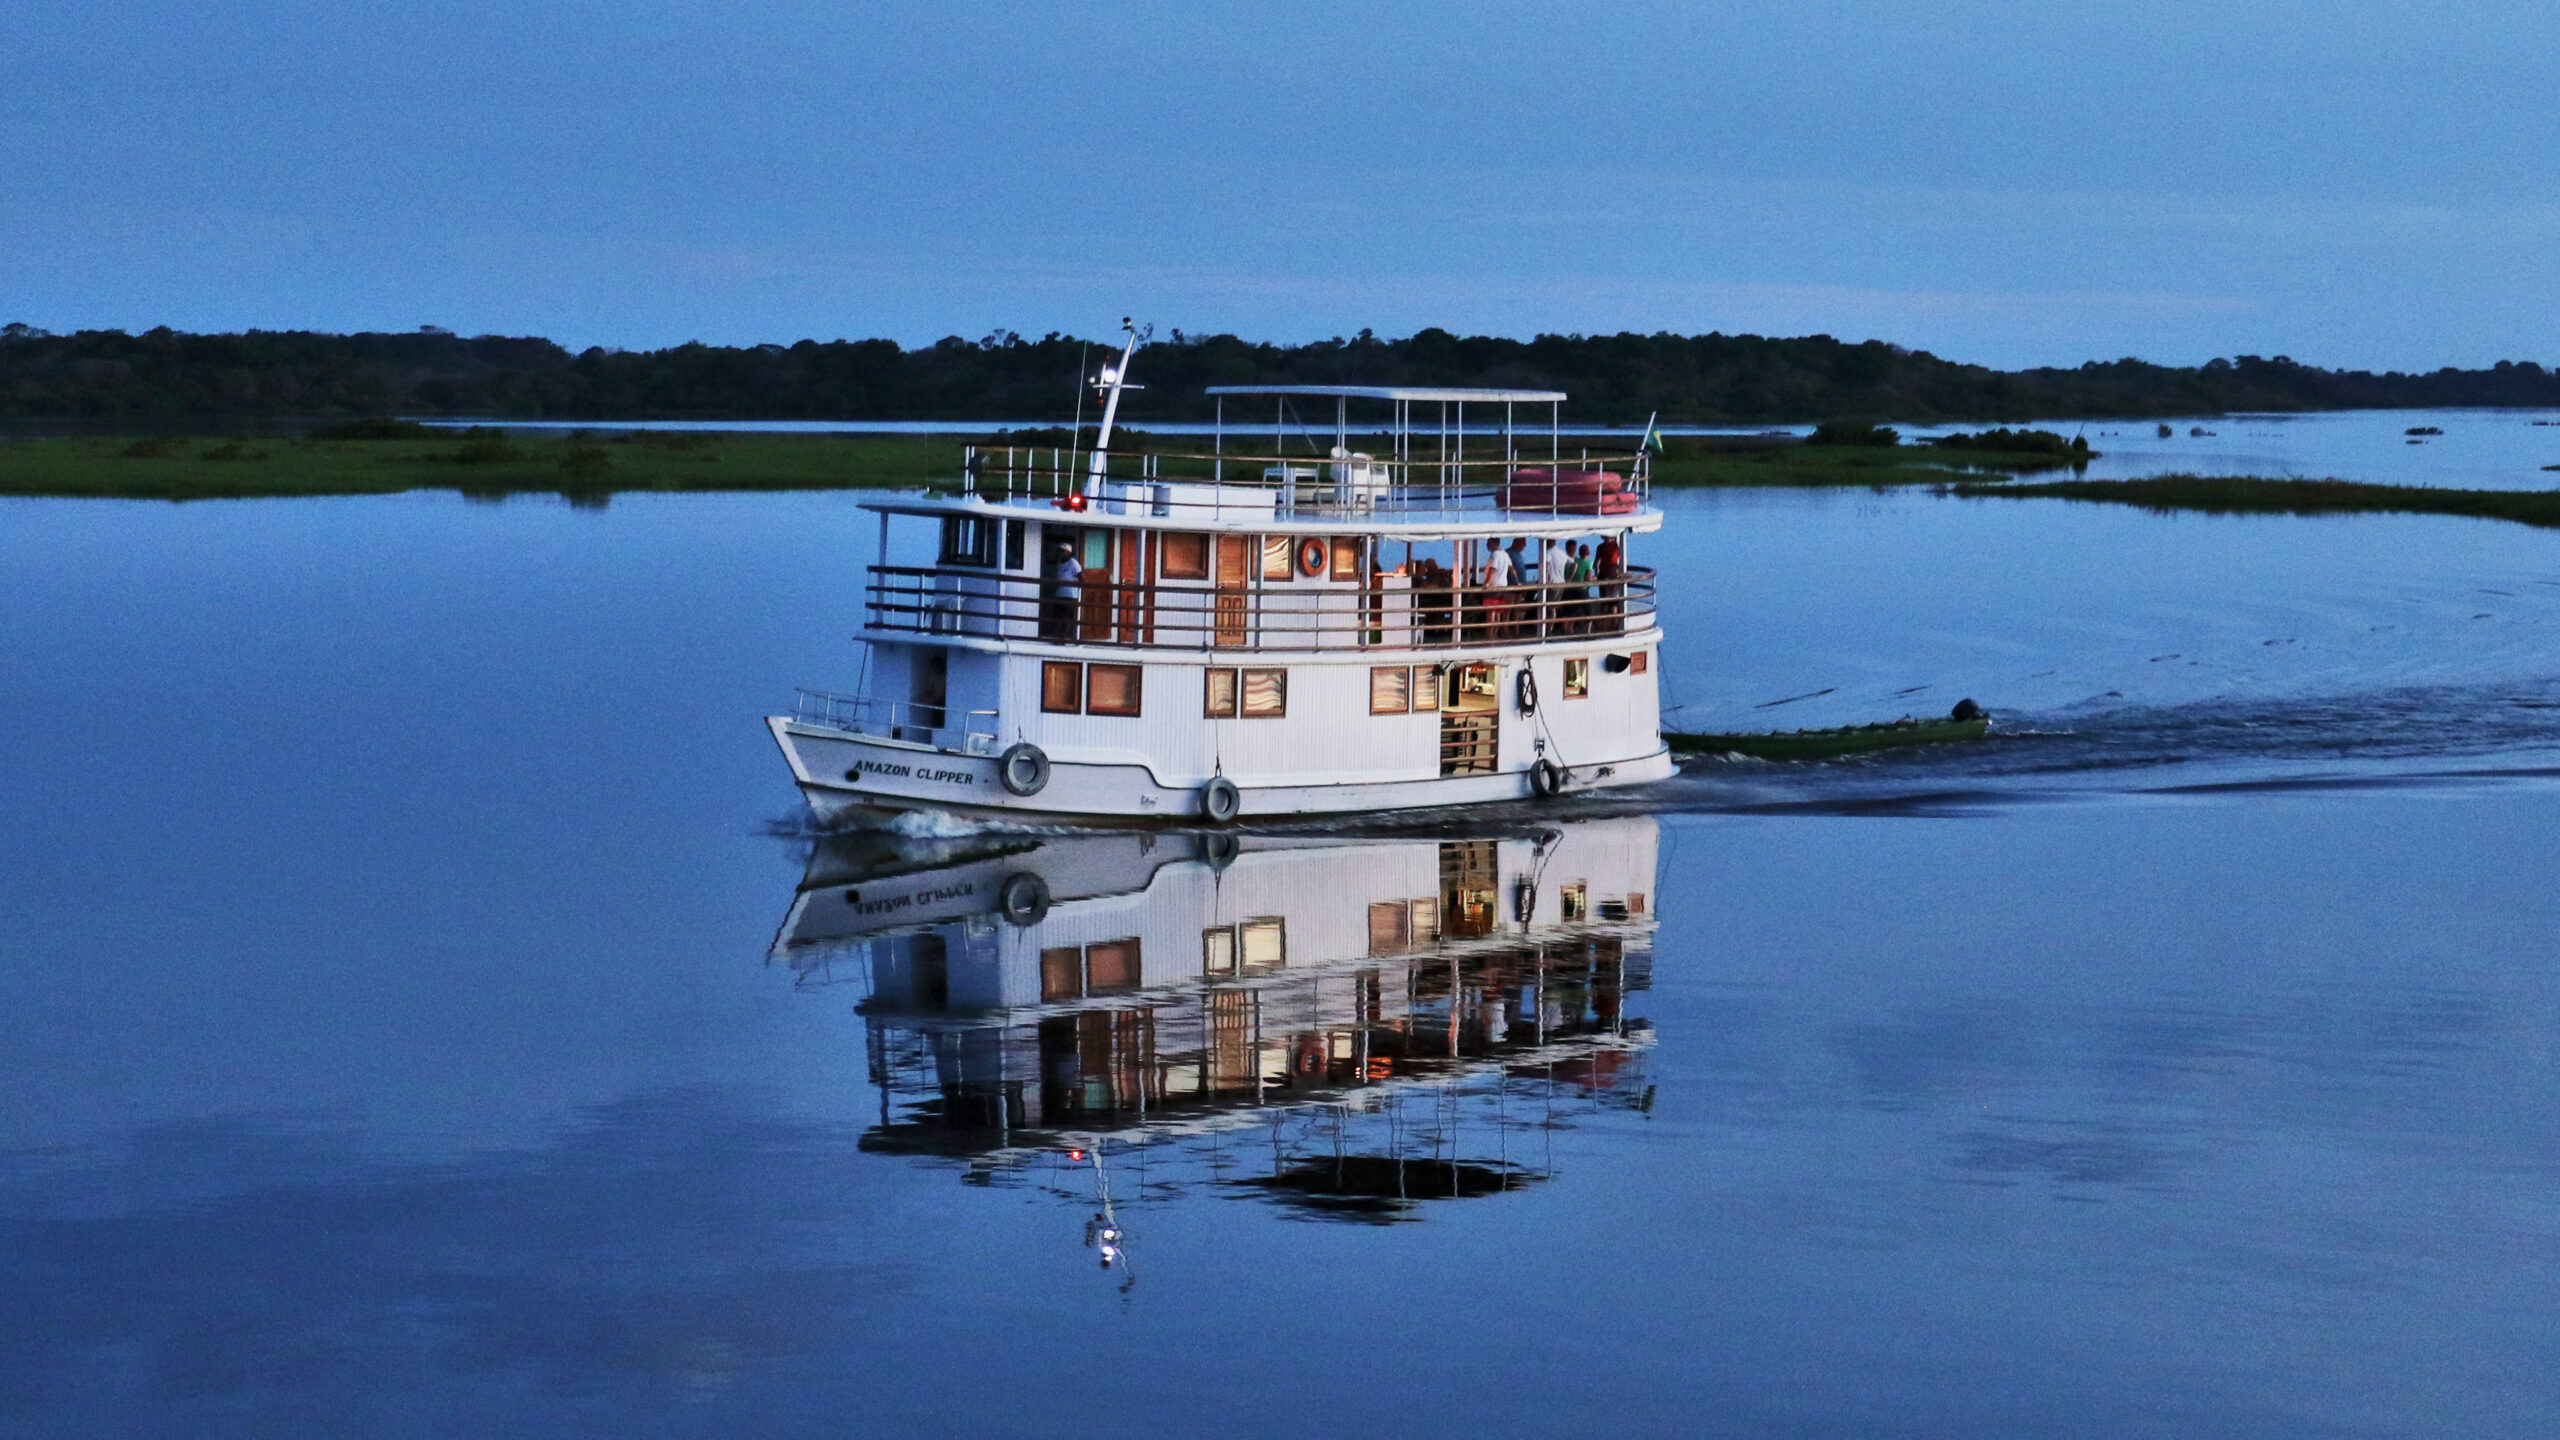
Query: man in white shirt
[[1499, 576]]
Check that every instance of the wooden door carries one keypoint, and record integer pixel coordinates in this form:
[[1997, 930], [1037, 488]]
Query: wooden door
[[1094, 619], [1236, 556], [1131, 568]]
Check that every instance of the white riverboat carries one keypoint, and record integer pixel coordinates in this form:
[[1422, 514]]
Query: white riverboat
[[1254, 629]]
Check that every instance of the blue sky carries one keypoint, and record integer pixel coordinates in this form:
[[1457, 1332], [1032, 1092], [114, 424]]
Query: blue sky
[[2349, 183]]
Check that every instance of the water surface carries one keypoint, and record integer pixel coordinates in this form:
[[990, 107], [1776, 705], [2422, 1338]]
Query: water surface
[[407, 1038]]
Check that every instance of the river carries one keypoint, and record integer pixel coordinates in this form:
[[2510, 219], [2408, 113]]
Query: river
[[427, 1017]]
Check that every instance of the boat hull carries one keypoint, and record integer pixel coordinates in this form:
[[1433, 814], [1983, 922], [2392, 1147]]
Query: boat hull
[[843, 773]]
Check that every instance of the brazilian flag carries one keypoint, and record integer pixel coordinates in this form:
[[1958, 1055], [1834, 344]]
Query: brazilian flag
[[1652, 435]]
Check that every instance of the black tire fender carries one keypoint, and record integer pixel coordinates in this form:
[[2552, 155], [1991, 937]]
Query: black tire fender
[[1023, 899], [1220, 800], [1023, 768], [1546, 779]]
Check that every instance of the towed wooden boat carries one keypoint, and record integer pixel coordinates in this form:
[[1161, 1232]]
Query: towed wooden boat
[[1967, 722]]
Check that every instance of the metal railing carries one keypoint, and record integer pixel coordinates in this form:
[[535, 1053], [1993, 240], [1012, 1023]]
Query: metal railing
[[897, 719], [1237, 487], [1468, 742], [1397, 615]]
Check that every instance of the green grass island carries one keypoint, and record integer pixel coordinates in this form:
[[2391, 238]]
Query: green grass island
[[378, 457]]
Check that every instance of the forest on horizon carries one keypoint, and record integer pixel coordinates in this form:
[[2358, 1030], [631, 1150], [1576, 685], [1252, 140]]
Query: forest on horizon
[[1713, 379]]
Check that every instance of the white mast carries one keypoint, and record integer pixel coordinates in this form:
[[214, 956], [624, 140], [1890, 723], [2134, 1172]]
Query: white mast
[[1113, 380]]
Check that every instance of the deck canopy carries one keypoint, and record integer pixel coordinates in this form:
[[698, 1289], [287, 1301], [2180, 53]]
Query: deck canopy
[[1434, 395]]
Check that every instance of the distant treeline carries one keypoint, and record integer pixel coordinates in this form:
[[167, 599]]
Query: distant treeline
[[1694, 379]]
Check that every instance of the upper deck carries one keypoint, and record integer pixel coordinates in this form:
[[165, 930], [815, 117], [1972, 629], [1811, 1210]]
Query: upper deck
[[1355, 492], [1413, 463]]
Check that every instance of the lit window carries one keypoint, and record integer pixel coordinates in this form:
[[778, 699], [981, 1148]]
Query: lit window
[[1186, 557], [1265, 942], [1577, 679], [1346, 558], [1575, 902], [1266, 694], [1219, 700], [1218, 950], [1111, 689], [1390, 690], [1276, 564], [1062, 687], [1426, 688]]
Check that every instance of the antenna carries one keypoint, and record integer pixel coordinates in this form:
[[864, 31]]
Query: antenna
[[1075, 441]]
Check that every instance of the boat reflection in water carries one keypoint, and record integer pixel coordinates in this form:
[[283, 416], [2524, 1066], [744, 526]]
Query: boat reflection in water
[[1386, 1021]]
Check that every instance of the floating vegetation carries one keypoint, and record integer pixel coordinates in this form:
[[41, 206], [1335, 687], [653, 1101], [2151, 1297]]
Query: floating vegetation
[[379, 427], [2246, 495]]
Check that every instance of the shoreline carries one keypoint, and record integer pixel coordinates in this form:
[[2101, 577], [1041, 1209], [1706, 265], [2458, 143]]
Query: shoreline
[[595, 464]]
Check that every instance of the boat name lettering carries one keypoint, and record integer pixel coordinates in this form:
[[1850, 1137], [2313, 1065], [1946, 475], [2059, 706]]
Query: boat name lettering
[[948, 777], [922, 897]]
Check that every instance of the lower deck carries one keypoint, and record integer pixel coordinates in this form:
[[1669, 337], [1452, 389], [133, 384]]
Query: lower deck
[[1112, 735]]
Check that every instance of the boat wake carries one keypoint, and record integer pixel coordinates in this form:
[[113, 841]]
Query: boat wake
[[2418, 737]]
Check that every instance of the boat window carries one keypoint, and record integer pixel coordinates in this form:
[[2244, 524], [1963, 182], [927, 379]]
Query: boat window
[[1111, 689], [1266, 694], [1478, 687], [1276, 564], [1062, 687], [1390, 690], [1013, 536], [1219, 698], [1112, 965], [1574, 902], [1097, 552], [1390, 928], [1577, 679], [1346, 557], [1061, 973], [1265, 942], [970, 540], [1218, 950], [1426, 688], [1186, 557], [1426, 919]]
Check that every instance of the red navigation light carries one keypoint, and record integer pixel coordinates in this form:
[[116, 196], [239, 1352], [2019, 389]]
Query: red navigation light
[[1075, 1154]]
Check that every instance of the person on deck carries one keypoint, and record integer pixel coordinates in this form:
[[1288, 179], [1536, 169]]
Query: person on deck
[[1577, 591], [1524, 605], [1500, 574], [1610, 568], [1065, 588], [1431, 600]]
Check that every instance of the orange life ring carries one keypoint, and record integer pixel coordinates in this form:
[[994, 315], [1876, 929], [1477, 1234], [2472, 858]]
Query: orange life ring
[[1311, 556]]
